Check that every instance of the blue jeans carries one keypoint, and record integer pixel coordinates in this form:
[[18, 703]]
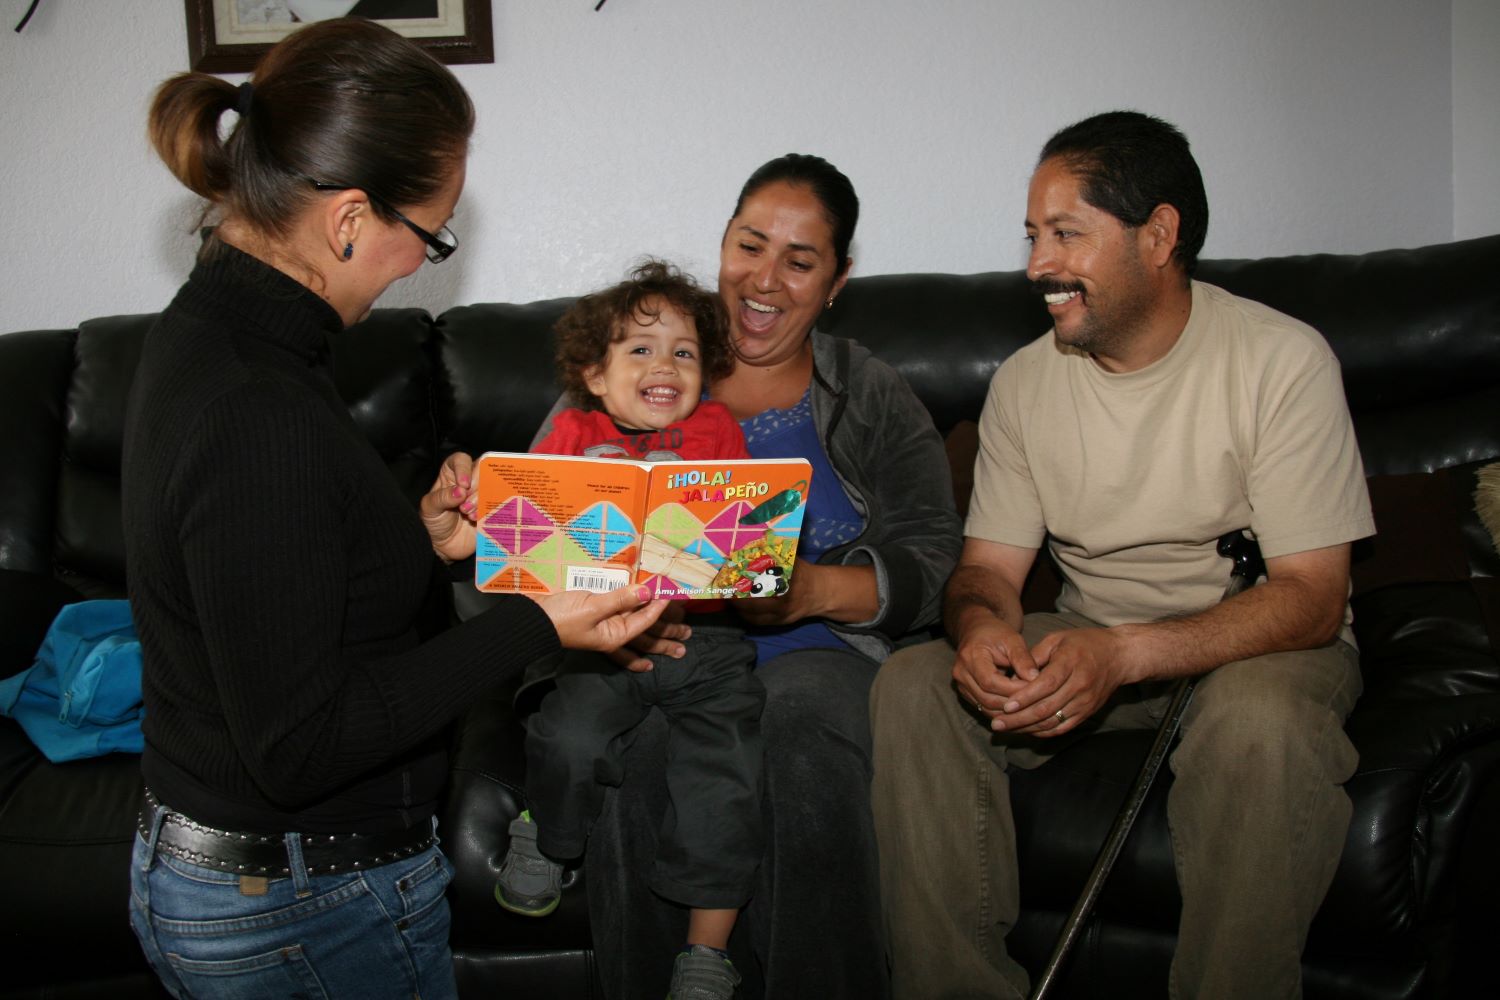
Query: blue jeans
[[381, 932]]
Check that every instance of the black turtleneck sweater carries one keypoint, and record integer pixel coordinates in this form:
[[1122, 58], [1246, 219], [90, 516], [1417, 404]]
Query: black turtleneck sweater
[[276, 575]]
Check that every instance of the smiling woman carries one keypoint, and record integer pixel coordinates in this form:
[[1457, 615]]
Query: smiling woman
[[277, 572], [879, 538]]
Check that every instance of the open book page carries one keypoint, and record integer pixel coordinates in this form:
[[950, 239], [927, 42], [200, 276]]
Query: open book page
[[549, 523], [704, 529], [723, 528]]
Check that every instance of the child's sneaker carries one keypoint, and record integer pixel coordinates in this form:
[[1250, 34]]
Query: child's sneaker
[[702, 974], [530, 883]]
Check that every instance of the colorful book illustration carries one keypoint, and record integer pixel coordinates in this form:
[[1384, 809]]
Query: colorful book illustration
[[725, 528]]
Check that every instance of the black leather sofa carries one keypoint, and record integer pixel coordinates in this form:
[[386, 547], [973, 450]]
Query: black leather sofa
[[1412, 910]]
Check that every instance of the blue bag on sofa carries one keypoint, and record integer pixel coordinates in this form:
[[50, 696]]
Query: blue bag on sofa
[[82, 696]]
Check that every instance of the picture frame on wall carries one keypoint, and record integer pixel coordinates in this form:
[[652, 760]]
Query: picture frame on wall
[[230, 36]]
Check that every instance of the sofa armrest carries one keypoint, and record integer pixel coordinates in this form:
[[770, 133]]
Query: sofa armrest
[[486, 790], [1429, 671], [28, 603], [1427, 728]]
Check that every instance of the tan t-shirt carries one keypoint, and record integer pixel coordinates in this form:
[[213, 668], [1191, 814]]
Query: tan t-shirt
[[1136, 475]]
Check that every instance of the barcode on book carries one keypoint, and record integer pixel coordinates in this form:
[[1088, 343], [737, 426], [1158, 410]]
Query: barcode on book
[[596, 579]]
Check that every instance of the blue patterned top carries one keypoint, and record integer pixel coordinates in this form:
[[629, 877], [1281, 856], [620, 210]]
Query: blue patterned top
[[830, 519]]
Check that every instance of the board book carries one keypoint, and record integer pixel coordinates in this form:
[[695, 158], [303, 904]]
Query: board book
[[716, 528]]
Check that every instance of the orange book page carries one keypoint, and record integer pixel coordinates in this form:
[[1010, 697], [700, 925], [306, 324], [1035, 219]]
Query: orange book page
[[723, 528], [549, 523]]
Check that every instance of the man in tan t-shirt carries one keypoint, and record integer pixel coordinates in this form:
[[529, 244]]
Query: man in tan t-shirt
[[1159, 414]]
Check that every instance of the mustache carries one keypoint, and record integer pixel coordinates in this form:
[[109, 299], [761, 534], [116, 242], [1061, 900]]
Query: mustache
[[1051, 286]]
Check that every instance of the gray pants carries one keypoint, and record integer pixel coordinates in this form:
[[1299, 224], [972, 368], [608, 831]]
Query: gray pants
[[1257, 816], [711, 837], [811, 930]]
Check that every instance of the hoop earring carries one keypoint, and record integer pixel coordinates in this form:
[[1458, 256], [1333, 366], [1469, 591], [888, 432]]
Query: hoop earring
[[348, 250]]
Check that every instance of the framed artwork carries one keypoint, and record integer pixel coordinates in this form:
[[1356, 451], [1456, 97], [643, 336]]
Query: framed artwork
[[230, 36]]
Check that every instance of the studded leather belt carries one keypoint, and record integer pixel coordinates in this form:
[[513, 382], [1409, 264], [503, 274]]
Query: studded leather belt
[[266, 854]]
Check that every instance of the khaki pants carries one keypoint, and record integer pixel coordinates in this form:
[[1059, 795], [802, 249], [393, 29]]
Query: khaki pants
[[1256, 811]]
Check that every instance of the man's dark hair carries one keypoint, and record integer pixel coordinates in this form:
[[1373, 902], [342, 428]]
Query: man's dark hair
[[1129, 163]]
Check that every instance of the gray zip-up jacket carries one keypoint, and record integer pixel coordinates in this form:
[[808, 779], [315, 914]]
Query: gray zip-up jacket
[[890, 460]]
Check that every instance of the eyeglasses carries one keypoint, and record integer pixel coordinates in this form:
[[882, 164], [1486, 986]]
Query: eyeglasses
[[439, 247]]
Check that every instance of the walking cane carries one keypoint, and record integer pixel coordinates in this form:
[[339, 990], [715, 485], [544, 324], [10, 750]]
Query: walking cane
[[1246, 568]]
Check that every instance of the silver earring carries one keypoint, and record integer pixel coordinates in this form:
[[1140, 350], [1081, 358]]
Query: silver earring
[[348, 250]]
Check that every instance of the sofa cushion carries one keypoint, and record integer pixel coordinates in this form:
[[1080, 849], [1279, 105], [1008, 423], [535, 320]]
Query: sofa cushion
[[66, 832], [34, 371], [1428, 531], [28, 603], [945, 333], [495, 364], [1417, 537], [384, 373], [1417, 333]]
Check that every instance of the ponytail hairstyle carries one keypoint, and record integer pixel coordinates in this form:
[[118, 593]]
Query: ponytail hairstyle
[[346, 102]]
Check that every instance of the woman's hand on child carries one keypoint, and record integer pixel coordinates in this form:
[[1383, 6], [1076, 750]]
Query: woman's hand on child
[[448, 509], [600, 622], [665, 638]]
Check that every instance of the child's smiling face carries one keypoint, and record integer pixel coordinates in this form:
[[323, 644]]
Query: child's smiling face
[[653, 374]]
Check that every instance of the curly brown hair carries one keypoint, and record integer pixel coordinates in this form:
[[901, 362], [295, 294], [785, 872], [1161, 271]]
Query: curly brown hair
[[597, 320]]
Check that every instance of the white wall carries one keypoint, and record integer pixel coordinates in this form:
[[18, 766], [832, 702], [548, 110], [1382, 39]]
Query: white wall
[[1321, 125], [1476, 118]]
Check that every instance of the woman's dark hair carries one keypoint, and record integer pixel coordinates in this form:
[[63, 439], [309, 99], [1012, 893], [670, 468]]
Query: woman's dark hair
[[346, 102], [827, 183], [1129, 163], [595, 321]]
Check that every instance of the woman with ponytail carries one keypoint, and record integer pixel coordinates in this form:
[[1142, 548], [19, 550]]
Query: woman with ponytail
[[294, 720]]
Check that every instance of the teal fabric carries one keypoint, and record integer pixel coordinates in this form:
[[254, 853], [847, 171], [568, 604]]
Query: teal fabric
[[82, 696]]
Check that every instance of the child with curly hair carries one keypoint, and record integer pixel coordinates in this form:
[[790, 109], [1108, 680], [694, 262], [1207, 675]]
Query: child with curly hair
[[633, 358]]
